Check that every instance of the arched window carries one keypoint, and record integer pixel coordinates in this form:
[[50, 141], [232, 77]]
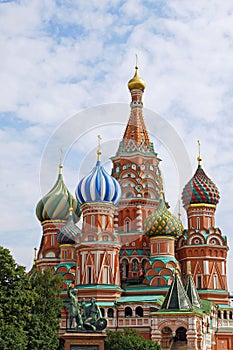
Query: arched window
[[52, 240], [209, 222], [110, 313], [102, 312], [198, 223], [89, 273], [158, 248], [230, 315], [92, 222], [215, 282], [225, 314], [125, 268], [199, 282], [144, 261], [103, 222], [127, 225], [128, 312], [139, 311], [105, 274], [219, 314], [134, 265]]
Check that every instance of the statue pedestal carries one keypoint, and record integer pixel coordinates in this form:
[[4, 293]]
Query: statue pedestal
[[84, 341]]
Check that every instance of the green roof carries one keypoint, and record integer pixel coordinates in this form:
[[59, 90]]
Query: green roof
[[165, 259], [145, 288], [192, 292], [224, 306], [206, 305], [98, 286], [140, 299], [219, 291], [67, 265], [176, 298]]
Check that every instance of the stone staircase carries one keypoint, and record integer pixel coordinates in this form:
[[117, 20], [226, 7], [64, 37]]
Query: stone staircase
[[179, 345]]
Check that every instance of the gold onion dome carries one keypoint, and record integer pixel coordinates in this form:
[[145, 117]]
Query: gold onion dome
[[136, 82], [56, 203], [162, 222]]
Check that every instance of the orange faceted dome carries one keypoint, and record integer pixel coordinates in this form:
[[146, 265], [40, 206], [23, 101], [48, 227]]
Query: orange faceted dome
[[136, 82]]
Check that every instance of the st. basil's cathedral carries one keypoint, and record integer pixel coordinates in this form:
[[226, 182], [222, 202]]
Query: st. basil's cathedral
[[131, 254]]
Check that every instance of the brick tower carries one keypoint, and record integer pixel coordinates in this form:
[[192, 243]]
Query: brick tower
[[53, 213], [97, 248], [202, 249], [136, 167]]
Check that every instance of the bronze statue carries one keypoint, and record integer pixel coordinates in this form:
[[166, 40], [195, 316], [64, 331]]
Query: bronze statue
[[86, 317], [74, 309]]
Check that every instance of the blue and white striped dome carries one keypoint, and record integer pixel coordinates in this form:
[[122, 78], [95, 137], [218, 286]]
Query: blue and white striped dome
[[98, 186]]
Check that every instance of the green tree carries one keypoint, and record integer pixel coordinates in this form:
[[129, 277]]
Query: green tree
[[15, 302], [128, 339], [45, 313]]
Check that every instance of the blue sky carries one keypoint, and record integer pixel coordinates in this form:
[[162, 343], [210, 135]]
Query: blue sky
[[59, 58]]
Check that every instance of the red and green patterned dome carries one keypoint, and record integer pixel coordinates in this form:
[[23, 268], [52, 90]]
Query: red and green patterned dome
[[200, 189], [162, 222]]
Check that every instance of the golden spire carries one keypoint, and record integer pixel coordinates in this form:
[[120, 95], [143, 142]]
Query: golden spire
[[189, 268], [161, 193], [199, 153], [60, 164], [35, 250], [179, 212], [176, 269], [71, 207], [98, 151]]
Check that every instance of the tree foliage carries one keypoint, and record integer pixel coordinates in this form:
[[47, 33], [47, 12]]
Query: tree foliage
[[29, 307], [45, 313], [15, 301], [128, 339]]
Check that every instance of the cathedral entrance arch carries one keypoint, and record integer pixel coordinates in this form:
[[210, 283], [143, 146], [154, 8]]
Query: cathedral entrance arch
[[166, 338], [181, 334]]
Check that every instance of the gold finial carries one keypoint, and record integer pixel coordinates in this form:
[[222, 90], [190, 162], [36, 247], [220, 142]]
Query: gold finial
[[61, 159], [35, 250], [199, 153], [179, 212], [136, 67], [99, 151], [71, 206], [189, 268], [161, 193], [177, 269]]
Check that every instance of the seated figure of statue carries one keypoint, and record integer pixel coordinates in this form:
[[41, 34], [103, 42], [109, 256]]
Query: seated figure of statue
[[93, 315]]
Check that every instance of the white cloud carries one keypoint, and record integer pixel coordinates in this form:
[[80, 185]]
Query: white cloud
[[60, 57]]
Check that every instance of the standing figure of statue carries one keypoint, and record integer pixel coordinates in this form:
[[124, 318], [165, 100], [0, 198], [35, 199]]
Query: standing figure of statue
[[83, 309], [74, 309]]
